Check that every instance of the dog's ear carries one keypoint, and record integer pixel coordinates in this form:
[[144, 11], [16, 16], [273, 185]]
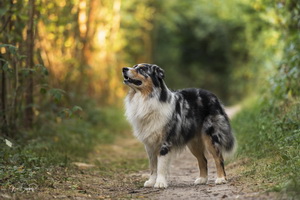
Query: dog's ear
[[159, 72]]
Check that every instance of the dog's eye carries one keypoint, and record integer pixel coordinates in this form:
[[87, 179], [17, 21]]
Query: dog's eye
[[141, 70]]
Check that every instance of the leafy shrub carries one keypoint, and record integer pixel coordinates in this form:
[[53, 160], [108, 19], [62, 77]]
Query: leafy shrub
[[270, 135], [29, 162]]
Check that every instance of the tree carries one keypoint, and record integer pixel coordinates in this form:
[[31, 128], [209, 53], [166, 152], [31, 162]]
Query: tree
[[29, 64]]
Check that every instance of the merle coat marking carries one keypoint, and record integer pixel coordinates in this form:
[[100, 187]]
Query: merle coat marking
[[167, 121]]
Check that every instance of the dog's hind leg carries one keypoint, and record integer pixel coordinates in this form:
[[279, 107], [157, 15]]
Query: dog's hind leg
[[152, 155], [197, 148], [218, 157]]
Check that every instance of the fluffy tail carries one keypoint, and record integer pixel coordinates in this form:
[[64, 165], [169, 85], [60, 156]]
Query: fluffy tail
[[219, 129]]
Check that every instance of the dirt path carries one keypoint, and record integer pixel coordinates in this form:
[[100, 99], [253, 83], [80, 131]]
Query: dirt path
[[183, 173]]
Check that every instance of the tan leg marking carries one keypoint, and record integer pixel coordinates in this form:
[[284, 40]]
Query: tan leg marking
[[197, 148], [217, 155]]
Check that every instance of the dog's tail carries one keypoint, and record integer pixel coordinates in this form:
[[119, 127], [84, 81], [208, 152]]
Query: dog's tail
[[218, 128], [229, 154]]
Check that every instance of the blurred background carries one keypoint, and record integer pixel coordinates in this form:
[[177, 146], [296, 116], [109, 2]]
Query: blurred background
[[224, 46], [60, 63]]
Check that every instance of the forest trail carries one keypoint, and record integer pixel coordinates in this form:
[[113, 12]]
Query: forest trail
[[87, 181]]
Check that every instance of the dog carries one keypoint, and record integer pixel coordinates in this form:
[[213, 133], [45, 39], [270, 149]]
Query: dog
[[167, 121]]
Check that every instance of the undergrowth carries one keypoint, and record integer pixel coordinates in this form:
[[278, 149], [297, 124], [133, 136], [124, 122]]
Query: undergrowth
[[30, 162], [269, 137]]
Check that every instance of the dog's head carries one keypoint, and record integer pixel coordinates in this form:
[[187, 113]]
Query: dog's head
[[143, 77]]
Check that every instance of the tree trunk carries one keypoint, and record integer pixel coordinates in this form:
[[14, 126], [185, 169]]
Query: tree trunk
[[3, 99], [5, 21], [29, 64]]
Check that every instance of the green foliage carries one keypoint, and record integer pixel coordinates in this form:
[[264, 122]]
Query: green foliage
[[21, 168], [269, 132], [52, 97], [213, 45], [137, 25], [286, 83], [29, 163], [66, 112], [270, 135], [229, 47]]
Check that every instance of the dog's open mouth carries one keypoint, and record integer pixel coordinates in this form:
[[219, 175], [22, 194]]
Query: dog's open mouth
[[130, 80]]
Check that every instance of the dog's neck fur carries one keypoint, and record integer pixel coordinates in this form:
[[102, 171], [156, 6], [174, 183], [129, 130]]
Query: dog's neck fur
[[149, 115]]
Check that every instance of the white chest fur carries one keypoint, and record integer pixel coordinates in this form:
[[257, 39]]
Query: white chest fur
[[148, 116]]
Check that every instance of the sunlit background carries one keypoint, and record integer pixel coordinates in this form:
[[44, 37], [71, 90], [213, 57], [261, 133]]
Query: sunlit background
[[224, 46]]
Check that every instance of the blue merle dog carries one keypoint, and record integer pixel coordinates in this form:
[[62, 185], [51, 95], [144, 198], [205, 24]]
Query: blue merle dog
[[166, 121]]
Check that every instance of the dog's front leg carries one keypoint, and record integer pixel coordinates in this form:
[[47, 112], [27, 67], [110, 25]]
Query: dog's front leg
[[162, 170], [153, 166]]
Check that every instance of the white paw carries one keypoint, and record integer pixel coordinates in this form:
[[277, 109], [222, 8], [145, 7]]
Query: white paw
[[221, 181], [200, 181], [149, 183], [161, 183]]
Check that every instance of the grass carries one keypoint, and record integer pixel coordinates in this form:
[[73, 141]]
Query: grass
[[49, 150], [269, 137]]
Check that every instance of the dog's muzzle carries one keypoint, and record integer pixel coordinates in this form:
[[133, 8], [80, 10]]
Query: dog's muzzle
[[127, 79]]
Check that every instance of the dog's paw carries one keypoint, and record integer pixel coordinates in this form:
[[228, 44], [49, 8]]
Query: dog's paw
[[200, 181], [221, 181], [149, 183], [161, 183]]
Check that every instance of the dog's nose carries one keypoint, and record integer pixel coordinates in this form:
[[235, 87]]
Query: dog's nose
[[125, 69]]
